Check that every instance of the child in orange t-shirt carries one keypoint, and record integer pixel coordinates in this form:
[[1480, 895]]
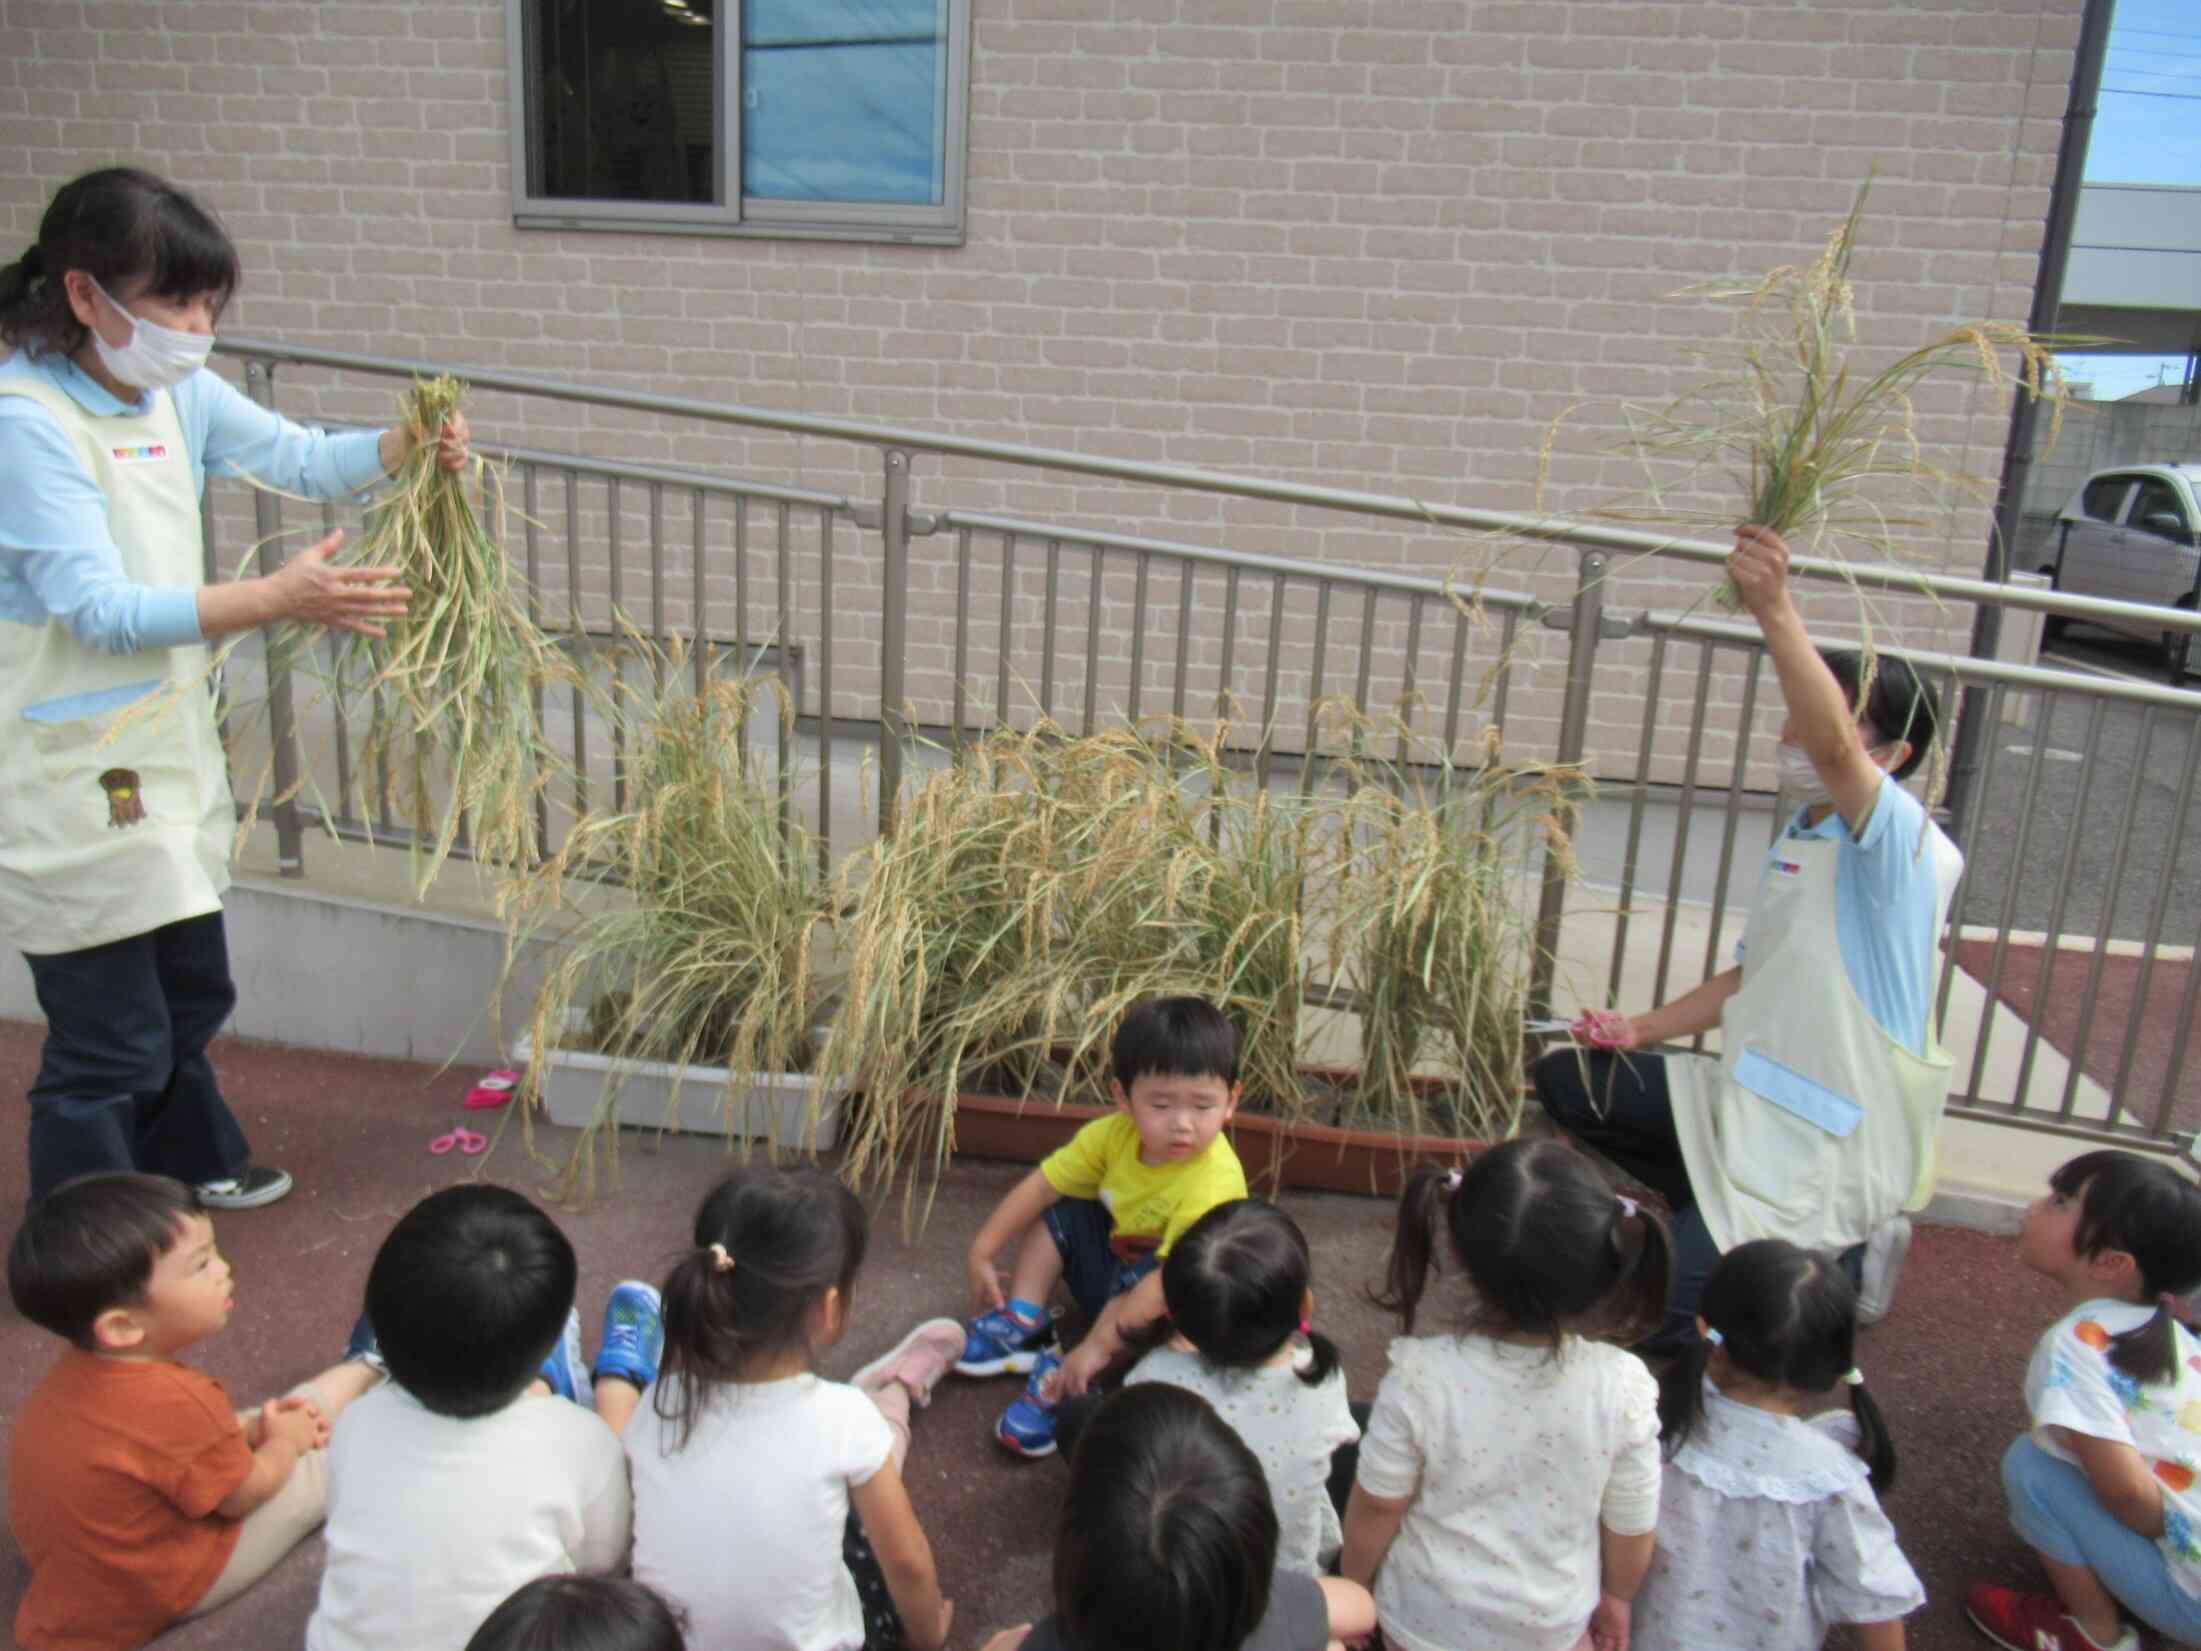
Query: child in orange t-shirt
[[138, 1494]]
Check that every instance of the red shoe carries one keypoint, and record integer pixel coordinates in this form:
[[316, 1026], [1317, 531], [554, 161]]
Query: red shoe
[[2033, 1622]]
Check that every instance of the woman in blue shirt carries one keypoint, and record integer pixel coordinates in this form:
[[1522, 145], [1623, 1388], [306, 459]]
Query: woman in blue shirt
[[115, 812]]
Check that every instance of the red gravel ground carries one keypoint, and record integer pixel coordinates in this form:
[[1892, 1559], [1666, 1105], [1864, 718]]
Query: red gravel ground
[[1946, 1366]]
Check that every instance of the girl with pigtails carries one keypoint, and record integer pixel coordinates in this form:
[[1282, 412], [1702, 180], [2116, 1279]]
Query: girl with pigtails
[[769, 1506], [2102, 1487], [1769, 1526], [1508, 1482]]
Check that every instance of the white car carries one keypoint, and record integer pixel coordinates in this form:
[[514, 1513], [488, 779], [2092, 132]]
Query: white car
[[2129, 534]]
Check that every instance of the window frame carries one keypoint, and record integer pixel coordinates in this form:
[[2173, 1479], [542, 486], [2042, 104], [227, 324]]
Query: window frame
[[885, 222]]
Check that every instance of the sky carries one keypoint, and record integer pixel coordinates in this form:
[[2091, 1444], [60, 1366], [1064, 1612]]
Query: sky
[[2147, 129]]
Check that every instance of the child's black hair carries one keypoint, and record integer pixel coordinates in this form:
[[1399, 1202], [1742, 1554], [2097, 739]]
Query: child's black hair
[[468, 1295], [581, 1613], [90, 1245], [1788, 1318], [1547, 1244], [768, 1244], [1175, 1037], [131, 232], [2148, 1210], [1235, 1282], [1896, 703], [1168, 1532]]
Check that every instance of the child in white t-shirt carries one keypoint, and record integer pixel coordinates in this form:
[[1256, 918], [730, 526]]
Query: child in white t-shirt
[[489, 1458], [768, 1502], [2103, 1486], [1508, 1482], [1769, 1525], [1240, 1304]]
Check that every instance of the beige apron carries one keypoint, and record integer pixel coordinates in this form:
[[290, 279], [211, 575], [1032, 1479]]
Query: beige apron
[[1813, 1124], [115, 810]]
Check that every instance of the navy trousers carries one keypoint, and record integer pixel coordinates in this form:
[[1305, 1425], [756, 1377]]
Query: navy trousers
[[124, 1081]]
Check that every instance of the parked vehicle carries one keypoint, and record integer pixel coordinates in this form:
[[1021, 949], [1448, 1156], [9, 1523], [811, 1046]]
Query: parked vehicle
[[2129, 534]]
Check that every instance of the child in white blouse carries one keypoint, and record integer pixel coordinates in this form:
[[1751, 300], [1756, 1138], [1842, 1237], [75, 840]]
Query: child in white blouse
[[1769, 1529], [1240, 1305], [1508, 1482]]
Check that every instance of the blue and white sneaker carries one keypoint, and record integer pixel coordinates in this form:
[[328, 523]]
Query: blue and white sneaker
[[1006, 1340], [565, 1370], [363, 1348], [633, 1343], [1028, 1426]]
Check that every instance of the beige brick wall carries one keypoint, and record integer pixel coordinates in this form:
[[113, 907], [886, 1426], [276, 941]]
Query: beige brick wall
[[1378, 243]]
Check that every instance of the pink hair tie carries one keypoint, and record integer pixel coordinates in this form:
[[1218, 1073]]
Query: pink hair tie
[[1305, 1325]]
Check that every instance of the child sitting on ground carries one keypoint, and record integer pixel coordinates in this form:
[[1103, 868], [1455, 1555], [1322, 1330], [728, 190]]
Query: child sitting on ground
[[1240, 1305], [581, 1613], [1769, 1528], [1168, 1538], [486, 1461], [138, 1494], [2103, 1486], [1508, 1481], [768, 1503], [1101, 1213]]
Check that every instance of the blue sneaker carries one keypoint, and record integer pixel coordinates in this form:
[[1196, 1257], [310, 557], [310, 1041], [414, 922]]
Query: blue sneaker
[[565, 1370], [362, 1348], [1005, 1340], [1028, 1426], [634, 1334]]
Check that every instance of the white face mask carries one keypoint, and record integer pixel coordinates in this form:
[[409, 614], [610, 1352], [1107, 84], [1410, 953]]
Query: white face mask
[[157, 357], [1798, 777]]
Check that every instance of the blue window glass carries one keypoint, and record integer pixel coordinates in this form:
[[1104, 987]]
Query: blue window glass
[[841, 100]]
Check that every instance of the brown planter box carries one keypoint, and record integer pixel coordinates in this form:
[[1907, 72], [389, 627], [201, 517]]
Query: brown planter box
[[1276, 1154]]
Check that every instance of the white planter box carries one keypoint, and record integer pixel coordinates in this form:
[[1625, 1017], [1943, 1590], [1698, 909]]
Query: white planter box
[[693, 1099]]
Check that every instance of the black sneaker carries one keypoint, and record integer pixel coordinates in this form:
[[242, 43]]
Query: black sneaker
[[259, 1184]]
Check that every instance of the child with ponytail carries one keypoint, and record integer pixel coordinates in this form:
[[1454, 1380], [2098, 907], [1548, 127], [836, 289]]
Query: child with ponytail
[[1508, 1481], [1769, 1531], [2102, 1487], [1240, 1306], [768, 1502]]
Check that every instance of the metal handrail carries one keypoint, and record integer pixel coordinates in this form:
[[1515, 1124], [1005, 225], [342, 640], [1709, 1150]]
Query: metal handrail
[[1395, 507], [893, 514]]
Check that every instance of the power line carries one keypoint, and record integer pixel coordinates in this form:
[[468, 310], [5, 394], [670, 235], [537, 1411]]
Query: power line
[[2134, 91], [2165, 34]]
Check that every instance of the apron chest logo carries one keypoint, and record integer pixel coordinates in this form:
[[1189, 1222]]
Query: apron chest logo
[[152, 452], [1788, 868], [125, 801]]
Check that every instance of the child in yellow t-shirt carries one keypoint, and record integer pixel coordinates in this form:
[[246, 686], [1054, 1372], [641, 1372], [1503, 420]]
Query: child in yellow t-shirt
[[1101, 1213]]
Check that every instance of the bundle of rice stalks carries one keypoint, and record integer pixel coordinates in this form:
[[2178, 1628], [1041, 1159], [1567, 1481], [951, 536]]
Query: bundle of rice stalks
[[687, 925], [1813, 441], [452, 742]]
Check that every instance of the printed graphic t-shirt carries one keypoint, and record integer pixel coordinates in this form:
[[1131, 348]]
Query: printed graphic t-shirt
[[2070, 1383], [1151, 1204]]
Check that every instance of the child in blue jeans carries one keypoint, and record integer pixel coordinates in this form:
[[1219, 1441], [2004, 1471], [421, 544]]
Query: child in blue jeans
[[1100, 1214], [2103, 1486]]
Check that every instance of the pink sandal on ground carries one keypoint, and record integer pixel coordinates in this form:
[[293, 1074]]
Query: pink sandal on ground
[[494, 1089]]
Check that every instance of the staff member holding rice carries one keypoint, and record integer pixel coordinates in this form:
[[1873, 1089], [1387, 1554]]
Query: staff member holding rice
[[1817, 1121], [115, 811]]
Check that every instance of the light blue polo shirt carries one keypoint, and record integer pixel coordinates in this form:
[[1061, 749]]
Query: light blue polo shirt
[[1888, 902], [57, 559]]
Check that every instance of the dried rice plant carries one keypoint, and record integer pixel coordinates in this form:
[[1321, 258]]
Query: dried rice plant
[[687, 924], [452, 743], [1816, 441], [1040, 885], [1437, 936]]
